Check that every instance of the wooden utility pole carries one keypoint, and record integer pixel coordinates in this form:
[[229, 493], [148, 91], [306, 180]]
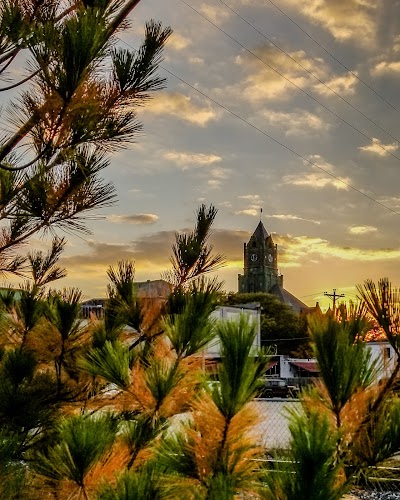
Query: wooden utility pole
[[334, 296]]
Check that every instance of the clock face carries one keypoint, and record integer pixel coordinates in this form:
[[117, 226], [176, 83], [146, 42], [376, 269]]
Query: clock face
[[270, 258], [253, 257]]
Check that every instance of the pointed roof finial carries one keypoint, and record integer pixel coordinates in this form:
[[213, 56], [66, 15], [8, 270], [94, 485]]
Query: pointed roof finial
[[260, 233], [260, 214]]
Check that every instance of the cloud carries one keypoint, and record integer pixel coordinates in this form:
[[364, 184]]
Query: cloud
[[225, 204], [294, 249], [362, 229], [254, 206], [133, 219], [229, 242], [99, 256], [178, 42], [318, 180], [354, 20], [378, 148], [196, 60], [150, 254], [263, 82], [182, 107], [291, 217], [147, 252], [218, 175], [187, 160], [215, 14], [248, 211], [253, 198], [318, 160], [396, 43], [295, 123], [385, 68], [214, 183], [391, 201], [344, 84]]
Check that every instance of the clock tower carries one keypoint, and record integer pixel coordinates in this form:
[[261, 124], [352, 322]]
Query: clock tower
[[260, 263]]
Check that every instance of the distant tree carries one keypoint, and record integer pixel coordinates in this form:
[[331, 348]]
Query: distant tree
[[77, 104], [280, 325]]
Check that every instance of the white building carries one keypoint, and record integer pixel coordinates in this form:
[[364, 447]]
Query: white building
[[232, 313], [384, 353], [288, 369]]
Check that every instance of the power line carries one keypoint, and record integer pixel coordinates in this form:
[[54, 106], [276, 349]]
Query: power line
[[334, 296], [290, 81], [295, 153], [311, 295], [309, 72], [334, 57], [283, 145]]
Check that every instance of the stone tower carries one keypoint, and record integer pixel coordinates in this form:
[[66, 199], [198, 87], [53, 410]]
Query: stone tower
[[260, 264]]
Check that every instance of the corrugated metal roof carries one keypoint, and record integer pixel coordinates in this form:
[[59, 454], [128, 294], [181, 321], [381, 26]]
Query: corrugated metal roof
[[309, 366], [271, 364]]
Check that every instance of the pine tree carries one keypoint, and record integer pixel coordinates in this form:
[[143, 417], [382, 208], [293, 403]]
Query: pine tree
[[76, 106]]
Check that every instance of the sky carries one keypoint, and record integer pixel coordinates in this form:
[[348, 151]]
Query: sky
[[288, 106]]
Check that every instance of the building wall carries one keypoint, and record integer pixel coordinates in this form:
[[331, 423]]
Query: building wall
[[227, 313], [384, 354]]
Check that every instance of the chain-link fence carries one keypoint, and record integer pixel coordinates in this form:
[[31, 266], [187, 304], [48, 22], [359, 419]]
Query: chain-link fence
[[273, 429], [377, 483]]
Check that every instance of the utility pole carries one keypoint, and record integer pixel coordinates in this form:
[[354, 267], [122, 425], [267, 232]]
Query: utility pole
[[334, 296]]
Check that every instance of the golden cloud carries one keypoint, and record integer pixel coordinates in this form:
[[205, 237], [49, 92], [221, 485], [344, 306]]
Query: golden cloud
[[291, 217], [252, 198], [215, 14], [150, 254], [354, 20], [178, 42], [224, 204], [317, 181], [249, 211], [392, 201], [133, 218], [186, 160], [294, 249], [266, 83], [345, 84], [182, 107], [378, 148], [196, 60], [386, 67], [362, 229], [396, 43], [214, 183], [218, 175], [295, 123]]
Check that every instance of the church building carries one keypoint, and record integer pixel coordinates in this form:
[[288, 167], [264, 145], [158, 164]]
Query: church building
[[261, 272]]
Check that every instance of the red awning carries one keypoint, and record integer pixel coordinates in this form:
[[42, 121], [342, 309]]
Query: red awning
[[309, 366], [271, 364]]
